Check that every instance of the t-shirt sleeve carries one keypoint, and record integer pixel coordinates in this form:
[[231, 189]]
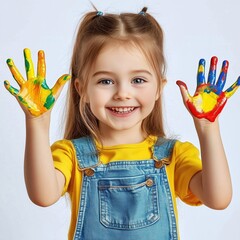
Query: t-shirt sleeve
[[63, 155], [187, 164]]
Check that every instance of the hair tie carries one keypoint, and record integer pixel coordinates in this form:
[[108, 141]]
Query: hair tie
[[99, 13], [142, 13]]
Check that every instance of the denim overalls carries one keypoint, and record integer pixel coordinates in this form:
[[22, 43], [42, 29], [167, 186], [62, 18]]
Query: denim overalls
[[125, 200]]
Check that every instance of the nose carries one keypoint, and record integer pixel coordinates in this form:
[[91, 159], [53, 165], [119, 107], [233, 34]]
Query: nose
[[123, 92]]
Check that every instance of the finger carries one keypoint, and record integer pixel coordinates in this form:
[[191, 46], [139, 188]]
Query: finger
[[41, 68], [184, 91], [59, 84], [212, 70], [50, 100], [201, 72], [15, 73], [10, 88], [222, 77], [15, 92], [231, 90], [28, 63]]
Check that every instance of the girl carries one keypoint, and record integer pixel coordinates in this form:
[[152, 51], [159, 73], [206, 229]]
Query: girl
[[122, 173]]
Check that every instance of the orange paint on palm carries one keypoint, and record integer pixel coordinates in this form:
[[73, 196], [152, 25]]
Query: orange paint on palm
[[34, 92]]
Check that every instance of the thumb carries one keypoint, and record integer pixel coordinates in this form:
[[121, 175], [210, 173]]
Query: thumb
[[57, 88], [184, 91], [231, 90]]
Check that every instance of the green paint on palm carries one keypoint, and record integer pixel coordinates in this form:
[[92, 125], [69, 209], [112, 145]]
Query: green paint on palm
[[49, 101], [22, 100], [36, 81], [44, 84]]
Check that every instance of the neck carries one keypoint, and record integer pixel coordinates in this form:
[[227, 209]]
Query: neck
[[122, 137]]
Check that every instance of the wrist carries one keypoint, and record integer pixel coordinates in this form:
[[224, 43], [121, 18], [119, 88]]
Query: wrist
[[204, 126], [42, 120]]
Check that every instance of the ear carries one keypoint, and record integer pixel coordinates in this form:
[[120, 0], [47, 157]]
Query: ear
[[163, 83], [77, 86], [79, 89]]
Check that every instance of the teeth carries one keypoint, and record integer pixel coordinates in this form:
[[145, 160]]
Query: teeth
[[122, 109]]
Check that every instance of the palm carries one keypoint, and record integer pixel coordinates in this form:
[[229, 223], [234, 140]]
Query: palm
[[34, 94], [209, 98]]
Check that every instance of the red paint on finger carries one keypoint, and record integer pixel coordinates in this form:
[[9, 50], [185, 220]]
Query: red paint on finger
[[213, 64], [225, 66], [180, 83]]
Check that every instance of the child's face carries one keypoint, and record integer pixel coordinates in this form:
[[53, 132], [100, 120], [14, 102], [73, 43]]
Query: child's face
[[122, 89]]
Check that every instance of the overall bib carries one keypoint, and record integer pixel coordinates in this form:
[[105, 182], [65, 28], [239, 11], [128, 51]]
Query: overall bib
[[125, 199]]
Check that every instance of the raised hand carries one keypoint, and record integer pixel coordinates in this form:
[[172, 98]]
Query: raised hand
[[34, 93], [209, 98]]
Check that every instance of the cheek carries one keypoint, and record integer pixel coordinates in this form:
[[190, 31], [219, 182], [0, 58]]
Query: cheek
[[151, 95], [98, 96], [97, 102], [150, 99]]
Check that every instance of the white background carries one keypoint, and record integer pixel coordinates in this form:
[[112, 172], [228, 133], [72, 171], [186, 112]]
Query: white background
[[193, 30]]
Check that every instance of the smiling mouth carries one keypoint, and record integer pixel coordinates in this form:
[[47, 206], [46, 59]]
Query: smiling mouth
[[122, 110]]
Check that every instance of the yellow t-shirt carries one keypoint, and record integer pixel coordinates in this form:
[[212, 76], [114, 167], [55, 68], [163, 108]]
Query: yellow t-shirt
[[185, 163]]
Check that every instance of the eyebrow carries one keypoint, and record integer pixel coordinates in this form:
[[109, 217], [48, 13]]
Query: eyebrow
[[112, 73]]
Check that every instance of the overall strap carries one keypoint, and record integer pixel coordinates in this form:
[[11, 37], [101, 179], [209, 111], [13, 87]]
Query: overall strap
[[86, 152], [162, 151]]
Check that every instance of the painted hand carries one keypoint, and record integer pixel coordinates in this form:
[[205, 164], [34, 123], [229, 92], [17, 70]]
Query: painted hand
[[34, 93], [209, 99]]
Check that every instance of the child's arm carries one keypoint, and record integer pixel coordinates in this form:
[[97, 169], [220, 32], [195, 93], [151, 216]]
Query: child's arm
[[212, 185], [44, 183]]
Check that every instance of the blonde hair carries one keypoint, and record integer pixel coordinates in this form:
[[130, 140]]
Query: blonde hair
[[96, 31]]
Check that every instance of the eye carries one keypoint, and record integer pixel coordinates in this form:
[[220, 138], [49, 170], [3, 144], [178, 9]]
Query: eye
[[105, 82], [138, 80]]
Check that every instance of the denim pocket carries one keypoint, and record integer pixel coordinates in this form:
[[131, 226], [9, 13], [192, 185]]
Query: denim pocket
[[128, 203]]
